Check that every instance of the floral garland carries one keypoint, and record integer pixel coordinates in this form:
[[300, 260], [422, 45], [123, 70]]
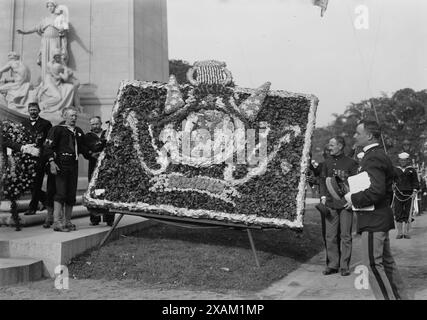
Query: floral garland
[[18, 168]]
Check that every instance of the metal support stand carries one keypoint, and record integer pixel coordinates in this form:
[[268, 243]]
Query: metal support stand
[[110, 231], [121, 214], [251, 240]]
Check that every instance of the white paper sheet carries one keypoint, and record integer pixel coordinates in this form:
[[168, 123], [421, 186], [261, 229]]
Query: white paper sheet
[[357, 183]]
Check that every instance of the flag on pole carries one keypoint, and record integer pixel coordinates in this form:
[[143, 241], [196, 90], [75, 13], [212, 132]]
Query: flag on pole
[[323, 4]]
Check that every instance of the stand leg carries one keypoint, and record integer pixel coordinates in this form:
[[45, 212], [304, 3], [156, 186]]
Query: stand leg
[[110, 231], [251, 240], [15, 215]]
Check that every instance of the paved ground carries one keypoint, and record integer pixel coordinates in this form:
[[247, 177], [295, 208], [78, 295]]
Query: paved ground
[[308, 283], [305, 283]]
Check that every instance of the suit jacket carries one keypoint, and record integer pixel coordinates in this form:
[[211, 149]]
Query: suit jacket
[[380, 193], [39, 130]]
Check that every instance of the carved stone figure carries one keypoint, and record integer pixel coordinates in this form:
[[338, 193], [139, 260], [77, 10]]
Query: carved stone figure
[[53, 31], [15, 92], [59, 89]]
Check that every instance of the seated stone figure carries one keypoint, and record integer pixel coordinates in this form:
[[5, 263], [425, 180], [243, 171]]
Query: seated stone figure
[[15, 92], [59, 89]]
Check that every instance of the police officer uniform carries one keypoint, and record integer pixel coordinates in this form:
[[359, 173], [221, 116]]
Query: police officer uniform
[[406, 181]]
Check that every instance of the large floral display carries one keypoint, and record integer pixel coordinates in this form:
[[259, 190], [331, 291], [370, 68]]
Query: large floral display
[[206, 151], [16, 168]]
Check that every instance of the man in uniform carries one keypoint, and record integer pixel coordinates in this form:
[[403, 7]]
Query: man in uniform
[[96, 140], [374, 226], [406, 187], [63, 145], [339, 222], [39, 128]]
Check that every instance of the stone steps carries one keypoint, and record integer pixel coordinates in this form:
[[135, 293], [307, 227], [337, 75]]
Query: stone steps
[[79, 211], [58, 248], [19, 270]]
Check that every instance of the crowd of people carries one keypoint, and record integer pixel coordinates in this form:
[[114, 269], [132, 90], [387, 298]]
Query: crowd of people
[[57, 149], [396, 193], [391, 200]]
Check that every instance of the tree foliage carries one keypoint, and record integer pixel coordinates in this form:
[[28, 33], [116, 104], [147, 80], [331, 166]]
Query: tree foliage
[[403, 116]]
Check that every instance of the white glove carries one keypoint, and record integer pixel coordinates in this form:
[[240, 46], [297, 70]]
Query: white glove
[[347, 197], [31, 150]]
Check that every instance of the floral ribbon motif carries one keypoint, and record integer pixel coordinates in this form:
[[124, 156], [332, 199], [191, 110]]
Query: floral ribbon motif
[[217, 188]]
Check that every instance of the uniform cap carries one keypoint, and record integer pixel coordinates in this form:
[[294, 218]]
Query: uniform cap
[[403, 155]]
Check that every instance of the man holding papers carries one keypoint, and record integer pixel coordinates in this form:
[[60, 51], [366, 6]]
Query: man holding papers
[[374, 225]]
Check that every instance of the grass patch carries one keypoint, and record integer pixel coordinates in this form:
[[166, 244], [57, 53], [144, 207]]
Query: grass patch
[[169, 257]]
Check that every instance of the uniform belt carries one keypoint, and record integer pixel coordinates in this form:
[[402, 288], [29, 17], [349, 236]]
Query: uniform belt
[[68, 154]]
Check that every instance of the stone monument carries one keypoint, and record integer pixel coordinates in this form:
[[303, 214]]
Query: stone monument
[[15, 90], [101, 41]]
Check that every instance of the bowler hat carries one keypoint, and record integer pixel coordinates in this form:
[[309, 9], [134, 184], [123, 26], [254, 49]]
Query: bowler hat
[[337, 187], [323, 209]]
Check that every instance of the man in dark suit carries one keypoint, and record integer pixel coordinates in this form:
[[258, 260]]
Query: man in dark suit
[[39, 129], [374, 225]]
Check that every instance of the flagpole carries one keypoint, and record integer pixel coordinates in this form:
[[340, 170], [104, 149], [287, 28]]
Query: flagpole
[[378, 121]]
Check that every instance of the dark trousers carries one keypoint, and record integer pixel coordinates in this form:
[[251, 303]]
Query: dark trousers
[[384, 277], [37, 194], [96, 218], [66, 183], [50, 190], [402, 209], [338, 239]]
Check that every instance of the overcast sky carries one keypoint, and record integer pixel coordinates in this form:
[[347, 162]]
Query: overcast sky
[[287, 43]]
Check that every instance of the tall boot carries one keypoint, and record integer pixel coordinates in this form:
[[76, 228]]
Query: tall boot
[[49, 218], [68, 211], [58, 216], [406, 230], [399, 230]]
